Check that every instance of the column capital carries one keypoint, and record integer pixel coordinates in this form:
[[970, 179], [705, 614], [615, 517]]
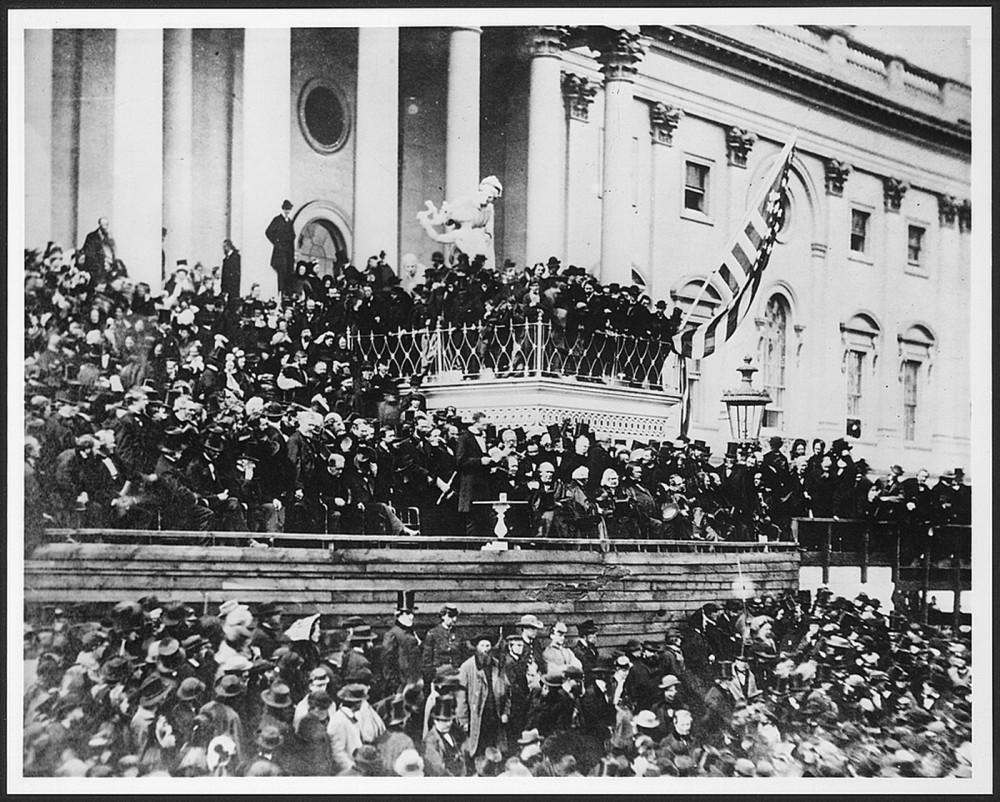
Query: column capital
[[578, 92], [547, 40], [965, 215], [621, 50], [835, 173], [739, 143], [947, 210], [663, 121], [893, 190]]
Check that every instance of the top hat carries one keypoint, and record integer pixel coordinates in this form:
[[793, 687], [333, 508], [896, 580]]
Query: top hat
[[278, 695], [405, 601], [398, 714], [444, 708]]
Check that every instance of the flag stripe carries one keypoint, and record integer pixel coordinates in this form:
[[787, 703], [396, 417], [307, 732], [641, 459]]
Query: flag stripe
[[738, 274]]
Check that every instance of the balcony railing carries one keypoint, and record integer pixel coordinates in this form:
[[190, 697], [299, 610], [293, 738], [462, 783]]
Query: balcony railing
[[368, 541], [451, 354]]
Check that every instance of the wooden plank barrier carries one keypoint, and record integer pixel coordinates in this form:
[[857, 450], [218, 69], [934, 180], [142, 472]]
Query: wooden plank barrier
[[629, 594]]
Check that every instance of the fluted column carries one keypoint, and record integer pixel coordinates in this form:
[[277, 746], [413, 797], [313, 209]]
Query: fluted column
[[178, 144], [137, 163], [462, 142], [376, 187], [621, 51], [267, 58], [546, 147]]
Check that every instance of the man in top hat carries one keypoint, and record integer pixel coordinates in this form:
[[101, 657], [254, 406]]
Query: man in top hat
[[281, 234], [361, 639], [441, 645], [268, 635], [400, 656], [585, 649], [443, 754]]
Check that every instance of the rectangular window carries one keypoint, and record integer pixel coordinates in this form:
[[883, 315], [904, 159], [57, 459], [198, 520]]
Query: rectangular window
[[696, 187], [859, 231], [855, 366], [915, 245], [695, 391], [911, 375]]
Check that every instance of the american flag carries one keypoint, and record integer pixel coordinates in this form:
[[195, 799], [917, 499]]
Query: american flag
[[739, 275]]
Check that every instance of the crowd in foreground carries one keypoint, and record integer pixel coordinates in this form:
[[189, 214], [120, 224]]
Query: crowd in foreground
[[790, 686], [200, 410]]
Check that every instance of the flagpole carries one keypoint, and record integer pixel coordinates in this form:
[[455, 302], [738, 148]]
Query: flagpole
[[757, 199]]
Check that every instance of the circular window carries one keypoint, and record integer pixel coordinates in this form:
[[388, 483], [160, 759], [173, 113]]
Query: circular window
[[323, 116]]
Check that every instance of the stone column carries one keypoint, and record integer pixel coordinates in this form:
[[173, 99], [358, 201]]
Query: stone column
[[665, 263], [38, 138], [178, 145], [620, 53], [546, 147], [137, 163], [462, 142], [376, 183], [267, 58]]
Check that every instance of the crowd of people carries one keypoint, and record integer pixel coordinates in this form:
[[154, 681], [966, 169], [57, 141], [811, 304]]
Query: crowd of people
[[793, 686], [200, 410]]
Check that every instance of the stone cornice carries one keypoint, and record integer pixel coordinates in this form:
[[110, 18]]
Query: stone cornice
[[733, 55]]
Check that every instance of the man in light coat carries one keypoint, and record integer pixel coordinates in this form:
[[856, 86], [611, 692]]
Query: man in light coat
[[483, 701], [557, 654], [345, 736]]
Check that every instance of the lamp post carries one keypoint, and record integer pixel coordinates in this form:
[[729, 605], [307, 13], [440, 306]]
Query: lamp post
[[745, 406]]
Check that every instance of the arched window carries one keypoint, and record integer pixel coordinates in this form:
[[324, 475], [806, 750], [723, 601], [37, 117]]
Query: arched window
[[916, 349], [860, 335], [708, 303], [322, 241], [771, 358]]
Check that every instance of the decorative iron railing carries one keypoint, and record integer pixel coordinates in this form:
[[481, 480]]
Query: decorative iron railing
[[451, 354]]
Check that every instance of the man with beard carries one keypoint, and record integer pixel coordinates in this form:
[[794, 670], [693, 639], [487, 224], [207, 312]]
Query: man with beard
[[483, 702], [400, 662]]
